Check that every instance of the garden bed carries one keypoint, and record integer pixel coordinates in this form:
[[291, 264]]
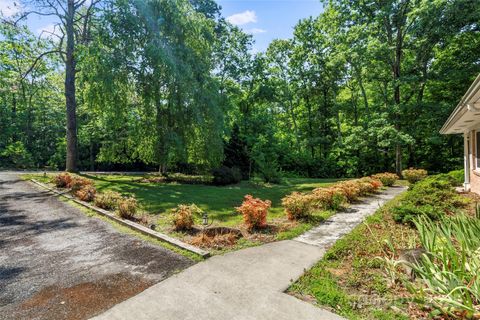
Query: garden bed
[[364, 275], [291, 208]]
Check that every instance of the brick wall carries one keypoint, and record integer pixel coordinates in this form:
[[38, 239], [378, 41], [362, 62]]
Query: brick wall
[[474, 171]]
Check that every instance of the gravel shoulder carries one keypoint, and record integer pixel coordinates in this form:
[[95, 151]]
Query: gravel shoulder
[[57, 263]]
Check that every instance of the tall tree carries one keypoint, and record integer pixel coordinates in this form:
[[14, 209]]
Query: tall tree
[[73, 30]]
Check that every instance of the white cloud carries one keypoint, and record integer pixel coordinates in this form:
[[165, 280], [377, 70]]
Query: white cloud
[[242, 18], [9, 8], [49, 31], [256, 31]]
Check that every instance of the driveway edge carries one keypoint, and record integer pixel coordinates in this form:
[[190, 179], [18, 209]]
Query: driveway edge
[[130, 224]]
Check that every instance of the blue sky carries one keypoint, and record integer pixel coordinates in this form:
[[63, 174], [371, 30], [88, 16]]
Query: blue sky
[[269, 19], [264, 19]]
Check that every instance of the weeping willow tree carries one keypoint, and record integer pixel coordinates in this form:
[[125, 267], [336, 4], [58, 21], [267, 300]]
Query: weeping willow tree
[[149, 81]]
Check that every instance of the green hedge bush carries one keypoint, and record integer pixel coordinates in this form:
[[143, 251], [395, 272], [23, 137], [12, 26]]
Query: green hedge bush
[[434, 197], [458, 176]]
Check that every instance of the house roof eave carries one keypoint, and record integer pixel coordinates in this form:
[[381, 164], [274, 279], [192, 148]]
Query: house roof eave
[[461, 108]]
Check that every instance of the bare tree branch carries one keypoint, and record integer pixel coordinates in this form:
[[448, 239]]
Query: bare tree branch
[[37, 60]]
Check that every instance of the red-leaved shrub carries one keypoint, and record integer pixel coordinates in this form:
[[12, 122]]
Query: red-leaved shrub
[[86, 193], [327, 198], [254, 212], [183, 216], [297, 205], [350, 190], [127, 207], [78, 183], [62, 180], [388, 179]]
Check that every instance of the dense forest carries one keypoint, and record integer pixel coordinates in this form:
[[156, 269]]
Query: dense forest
[[171, 85]]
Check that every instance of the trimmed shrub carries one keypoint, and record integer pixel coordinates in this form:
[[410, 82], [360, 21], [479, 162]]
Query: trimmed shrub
[[254, 211], [433, 197], [458, 176], [183, 216], [127, 208], [327, 198], [350, 189], [224, 176], [388, 179], [62, 180], [78, 183], [108, 200], [297, 205], [86, 193], [369, 185], [414, 175]]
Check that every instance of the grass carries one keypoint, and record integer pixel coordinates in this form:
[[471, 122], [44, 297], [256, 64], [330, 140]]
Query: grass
[[219, 202], [157, 199], [349, 280]]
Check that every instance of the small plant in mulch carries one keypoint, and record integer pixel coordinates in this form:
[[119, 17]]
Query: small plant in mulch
[[183, 216], [254, 212], [127, 208]]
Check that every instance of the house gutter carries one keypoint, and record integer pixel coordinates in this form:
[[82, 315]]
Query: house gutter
[[462, 106]]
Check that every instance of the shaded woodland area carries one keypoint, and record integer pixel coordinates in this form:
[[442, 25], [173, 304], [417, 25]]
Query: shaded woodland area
[[170, 85]]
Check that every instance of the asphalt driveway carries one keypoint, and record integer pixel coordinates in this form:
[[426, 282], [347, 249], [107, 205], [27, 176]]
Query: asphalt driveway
[[58, 263]]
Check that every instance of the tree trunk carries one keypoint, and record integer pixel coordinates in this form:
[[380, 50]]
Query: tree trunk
[[71, 104], [92, 158], [364, 93]]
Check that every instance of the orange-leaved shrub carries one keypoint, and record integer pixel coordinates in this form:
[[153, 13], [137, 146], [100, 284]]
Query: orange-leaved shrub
[[368, 185], [327, 198], [414, 175], [78, 183], [300, 205], [62, 180], [254, 212], [108, 200], [297, 205], [183, 216], [127, 208], [86, 193], [350, 189], [388, 179]]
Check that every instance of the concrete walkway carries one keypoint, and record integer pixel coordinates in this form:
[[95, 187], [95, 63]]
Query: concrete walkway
[[247, 284], [344, 222]]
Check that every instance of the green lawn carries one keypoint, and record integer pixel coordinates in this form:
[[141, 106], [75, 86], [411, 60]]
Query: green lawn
[[219, 202]]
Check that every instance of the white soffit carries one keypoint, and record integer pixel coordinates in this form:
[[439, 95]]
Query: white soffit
[[466, 115]]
